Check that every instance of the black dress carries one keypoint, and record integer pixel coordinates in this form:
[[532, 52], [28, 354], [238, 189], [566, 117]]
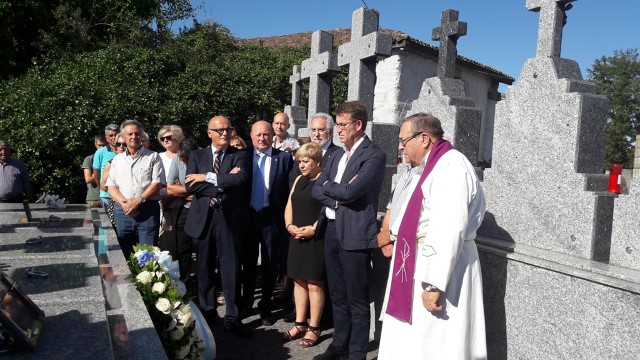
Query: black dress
[[306, 257]]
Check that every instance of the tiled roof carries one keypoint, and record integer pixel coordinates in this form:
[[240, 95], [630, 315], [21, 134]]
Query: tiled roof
[[400, 40]]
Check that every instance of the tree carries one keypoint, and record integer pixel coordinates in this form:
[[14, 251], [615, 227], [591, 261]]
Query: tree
[[50, 114], [34, 29], [618, 78]]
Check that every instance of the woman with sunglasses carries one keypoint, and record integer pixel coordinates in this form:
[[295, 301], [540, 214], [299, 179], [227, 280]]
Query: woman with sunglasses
[[169, 137], [121, 146]]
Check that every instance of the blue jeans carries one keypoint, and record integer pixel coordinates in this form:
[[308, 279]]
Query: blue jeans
[[141, 229]]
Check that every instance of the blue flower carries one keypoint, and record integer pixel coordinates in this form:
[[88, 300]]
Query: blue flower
[[144, 257]]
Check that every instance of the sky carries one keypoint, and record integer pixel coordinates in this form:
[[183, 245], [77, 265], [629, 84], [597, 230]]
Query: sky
[[501, 34]]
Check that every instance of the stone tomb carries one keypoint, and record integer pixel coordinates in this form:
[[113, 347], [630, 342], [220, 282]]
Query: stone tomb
[[76, 323], [551, 290]]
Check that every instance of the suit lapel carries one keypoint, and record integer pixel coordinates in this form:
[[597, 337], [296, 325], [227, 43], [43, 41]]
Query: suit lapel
[[274, 167], [208, 160], [352, 168], [227, 161]]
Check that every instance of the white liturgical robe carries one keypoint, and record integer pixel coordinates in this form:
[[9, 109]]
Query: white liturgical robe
[[453, 207]]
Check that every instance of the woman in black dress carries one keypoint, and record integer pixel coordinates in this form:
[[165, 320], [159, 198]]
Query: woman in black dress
[[306, 252]]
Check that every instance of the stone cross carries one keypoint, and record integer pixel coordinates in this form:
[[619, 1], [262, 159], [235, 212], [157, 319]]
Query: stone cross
[[448, 33], [361, 55], [549, 26], [296, 87], [320, 69]]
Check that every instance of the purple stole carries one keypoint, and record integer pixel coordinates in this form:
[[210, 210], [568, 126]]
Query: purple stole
[[401, 292]]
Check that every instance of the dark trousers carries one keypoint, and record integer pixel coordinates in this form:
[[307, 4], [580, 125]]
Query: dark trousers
[[263, 235], [220, 242], [184, 244], [347, 277]]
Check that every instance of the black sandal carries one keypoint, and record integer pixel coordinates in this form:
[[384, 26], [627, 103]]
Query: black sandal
[[306, 342], [302, 328]]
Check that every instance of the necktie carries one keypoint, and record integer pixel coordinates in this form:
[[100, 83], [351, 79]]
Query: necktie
[[401, 288], [258, 183], [216, 169], [216, 162]]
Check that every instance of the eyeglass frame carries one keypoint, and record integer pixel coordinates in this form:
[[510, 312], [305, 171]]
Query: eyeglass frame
[[344, 126], [409, 138], [221, 131], [167, 137], [121, 143]]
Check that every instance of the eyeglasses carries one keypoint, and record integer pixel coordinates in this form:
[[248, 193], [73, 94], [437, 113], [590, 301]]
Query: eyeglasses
[[222, 130], [344, 126], [119, 144], [407, 139], [167, 138]]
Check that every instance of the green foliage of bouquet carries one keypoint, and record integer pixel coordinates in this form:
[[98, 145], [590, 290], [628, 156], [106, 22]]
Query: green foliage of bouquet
[[155, 275]]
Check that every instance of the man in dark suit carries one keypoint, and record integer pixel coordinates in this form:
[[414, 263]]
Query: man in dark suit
[[348, 187], [269, 194], [217, 177]]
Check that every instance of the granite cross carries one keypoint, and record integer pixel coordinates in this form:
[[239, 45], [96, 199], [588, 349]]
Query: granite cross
[[448, 33], [320, 69], [296, 87], [549, 26], [361, 55]]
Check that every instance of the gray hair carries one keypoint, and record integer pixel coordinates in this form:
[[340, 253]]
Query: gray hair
[[3, 143], [131, 122], [326, 117], [111, 127]]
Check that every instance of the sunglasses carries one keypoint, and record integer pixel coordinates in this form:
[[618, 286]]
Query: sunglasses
[[222, 130], [119, 144], [167, 138]]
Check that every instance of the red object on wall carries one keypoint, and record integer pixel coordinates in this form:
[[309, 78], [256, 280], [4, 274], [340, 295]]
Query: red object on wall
[[615, 178]]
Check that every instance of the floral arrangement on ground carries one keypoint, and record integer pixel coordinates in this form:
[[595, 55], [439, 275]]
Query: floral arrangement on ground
[[156, 276]]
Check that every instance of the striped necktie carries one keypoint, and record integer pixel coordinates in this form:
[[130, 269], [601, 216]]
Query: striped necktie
[[216, 169]]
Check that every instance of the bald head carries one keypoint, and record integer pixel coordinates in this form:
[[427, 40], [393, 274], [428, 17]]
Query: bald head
[[219, 131], [261, 135], [281, 125]]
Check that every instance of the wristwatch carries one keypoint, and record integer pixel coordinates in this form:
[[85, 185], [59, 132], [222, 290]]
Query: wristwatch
[[431, 288], [142, 199]]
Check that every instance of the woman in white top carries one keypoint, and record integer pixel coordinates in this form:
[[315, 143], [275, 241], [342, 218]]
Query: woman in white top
[[169, 137]]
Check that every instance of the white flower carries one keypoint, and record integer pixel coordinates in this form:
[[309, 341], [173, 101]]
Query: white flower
[[183, 352], [163, 305], [159, 287], [178, 333], [145, 277], [159, 275]]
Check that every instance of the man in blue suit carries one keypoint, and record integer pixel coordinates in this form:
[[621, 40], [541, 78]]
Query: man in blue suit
[[269, 174], [348, 188], [216, 177]]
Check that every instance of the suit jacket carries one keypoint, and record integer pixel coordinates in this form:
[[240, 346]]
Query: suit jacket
[[326, 158], [356, 214], [281, 165], [231, 187]]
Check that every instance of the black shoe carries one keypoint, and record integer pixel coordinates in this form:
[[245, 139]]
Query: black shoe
[[239, 329], [245, 313], [210, 318], [290, 317], [332, 353], [266, 319]]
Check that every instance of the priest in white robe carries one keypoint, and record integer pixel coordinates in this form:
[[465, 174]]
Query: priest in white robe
[[443, 278]]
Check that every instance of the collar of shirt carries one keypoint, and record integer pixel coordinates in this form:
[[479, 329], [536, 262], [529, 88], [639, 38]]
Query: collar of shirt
[[325, 147], [275, 141], [214, 149], [355, 146], [268, 152]]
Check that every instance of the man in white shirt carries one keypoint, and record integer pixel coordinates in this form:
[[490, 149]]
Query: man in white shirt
[[135, 179]]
